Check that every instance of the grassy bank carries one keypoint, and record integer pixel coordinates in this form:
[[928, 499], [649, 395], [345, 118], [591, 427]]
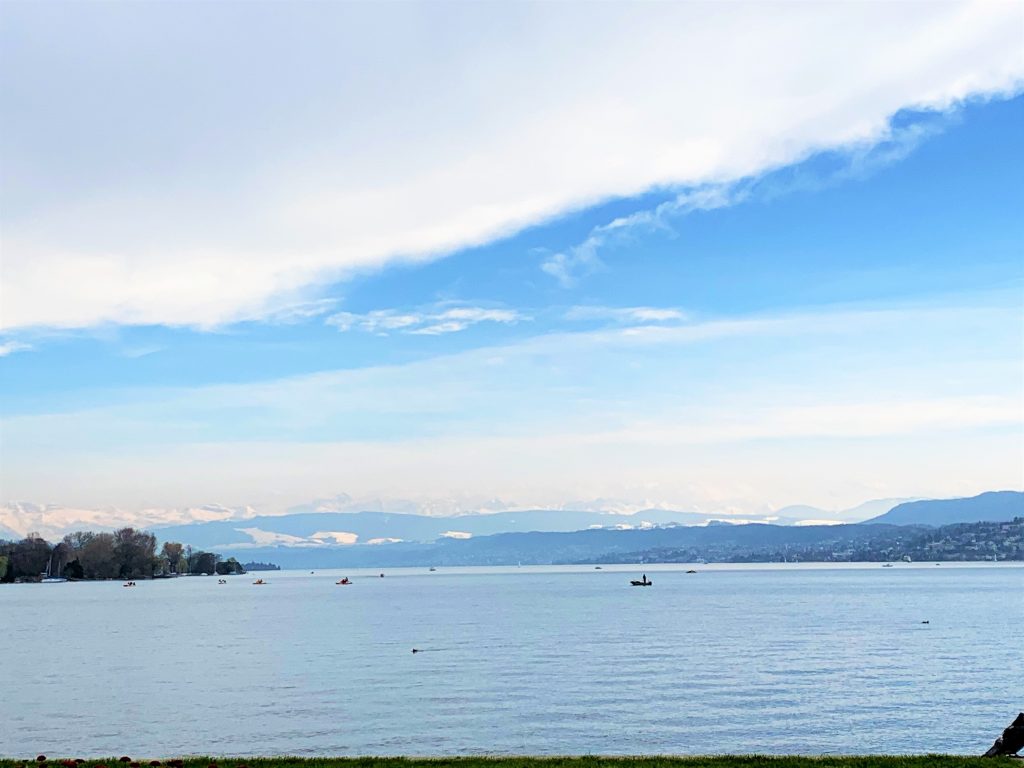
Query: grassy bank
[[721, 761]]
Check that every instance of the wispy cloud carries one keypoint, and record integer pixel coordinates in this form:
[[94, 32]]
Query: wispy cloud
[[592, 413], [429, 323], [10, 347], [300, 311], [856, 161], [566, 266], [628, 315]]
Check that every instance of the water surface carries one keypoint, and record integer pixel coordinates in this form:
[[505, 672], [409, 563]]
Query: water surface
[[777, 659]]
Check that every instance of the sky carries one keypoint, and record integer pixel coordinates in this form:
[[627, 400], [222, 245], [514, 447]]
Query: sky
[[726, 257]]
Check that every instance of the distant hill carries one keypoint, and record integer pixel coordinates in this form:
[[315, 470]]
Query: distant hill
[[994, 506], [719, 542], [714, 543]]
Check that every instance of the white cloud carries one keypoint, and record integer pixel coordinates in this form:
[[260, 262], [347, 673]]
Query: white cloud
[[360, 145], [628, 314], [457, 535], [432, 323], [9, 347]]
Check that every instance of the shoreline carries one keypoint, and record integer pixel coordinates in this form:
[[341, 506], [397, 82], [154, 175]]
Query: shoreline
[[738, 760]]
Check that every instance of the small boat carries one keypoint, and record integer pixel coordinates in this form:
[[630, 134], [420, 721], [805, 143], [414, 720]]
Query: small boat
[[691, 571], [433, 569], [645, 583], [50, 577], [259, 582], [887, 565], [344, 582], [597, 567]]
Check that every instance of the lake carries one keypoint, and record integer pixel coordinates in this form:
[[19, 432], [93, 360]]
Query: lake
[[760, 658]]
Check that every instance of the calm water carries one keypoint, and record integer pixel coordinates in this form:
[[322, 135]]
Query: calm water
[[531, 660]]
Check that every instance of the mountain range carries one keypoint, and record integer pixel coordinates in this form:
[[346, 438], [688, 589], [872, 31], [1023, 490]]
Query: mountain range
[[370, 518], [362, 536], [319, 529], [478, 540]]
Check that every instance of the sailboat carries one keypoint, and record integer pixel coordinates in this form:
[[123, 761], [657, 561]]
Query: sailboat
[[47, 577]]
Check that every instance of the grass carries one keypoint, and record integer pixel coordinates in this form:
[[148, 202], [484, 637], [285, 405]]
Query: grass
[[717, 761]]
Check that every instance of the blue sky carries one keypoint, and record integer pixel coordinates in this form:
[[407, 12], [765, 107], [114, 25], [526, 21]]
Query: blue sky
[[272, 272]]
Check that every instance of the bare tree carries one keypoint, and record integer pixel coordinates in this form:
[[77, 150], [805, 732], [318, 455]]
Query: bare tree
[[136, 552], [172, 552], [98, 558]]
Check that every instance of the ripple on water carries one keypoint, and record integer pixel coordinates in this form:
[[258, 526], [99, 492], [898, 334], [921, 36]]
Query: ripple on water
[[801, 660]]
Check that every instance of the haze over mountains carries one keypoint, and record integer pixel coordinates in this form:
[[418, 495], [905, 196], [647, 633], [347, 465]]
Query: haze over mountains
[[382, 518], [673, 541], [306, 538]]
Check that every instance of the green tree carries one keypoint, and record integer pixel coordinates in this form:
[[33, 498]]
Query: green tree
[[205, 562], [229, 567]]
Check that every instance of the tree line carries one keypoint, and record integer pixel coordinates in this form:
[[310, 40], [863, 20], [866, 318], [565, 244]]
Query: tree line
[[126, 553]]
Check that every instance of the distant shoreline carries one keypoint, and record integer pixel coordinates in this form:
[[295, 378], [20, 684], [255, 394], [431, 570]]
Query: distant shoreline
[[598, 568], [739, 760]]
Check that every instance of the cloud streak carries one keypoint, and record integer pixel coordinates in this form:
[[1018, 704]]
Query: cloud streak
[[10, 347], [751, 405], [433, 323], [255, 197], [856, 162]]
